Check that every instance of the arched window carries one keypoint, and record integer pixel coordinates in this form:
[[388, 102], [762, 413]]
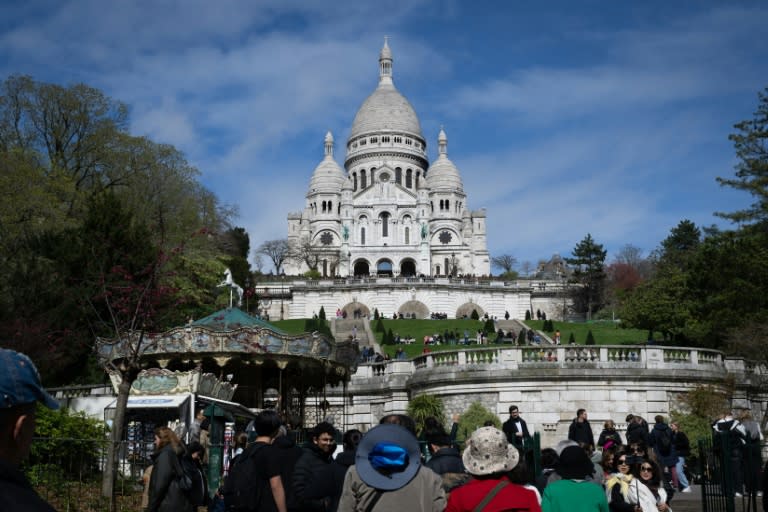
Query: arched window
[[330, 206], [409, 179], [362, 236], [447, 206], [441, 205], [437, 270], [323, 206], [363, 179], [398, 175], [384, 224], [407, 236], [354, 181], [372, 171], [418, 174]]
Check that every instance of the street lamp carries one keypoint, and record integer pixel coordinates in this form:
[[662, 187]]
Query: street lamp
[[282, 292]]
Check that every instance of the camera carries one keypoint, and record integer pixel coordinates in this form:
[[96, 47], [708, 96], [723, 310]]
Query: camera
[[634, 459]]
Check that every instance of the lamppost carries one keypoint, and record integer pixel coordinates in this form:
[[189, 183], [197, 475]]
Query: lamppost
[[282, 292]]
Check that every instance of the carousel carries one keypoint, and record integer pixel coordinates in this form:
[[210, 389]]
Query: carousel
[[231, 364]]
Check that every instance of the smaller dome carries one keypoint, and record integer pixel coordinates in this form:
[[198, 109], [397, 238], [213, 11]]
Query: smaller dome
[[442, 175], [328, 176]]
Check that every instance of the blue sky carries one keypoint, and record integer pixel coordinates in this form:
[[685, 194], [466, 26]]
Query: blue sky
[[564, 118]]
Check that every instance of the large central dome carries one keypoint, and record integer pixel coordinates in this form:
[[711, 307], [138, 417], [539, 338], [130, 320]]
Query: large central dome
[[386, 110]]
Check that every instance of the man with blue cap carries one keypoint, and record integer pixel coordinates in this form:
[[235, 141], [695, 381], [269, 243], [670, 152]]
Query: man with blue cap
[[20, 390]]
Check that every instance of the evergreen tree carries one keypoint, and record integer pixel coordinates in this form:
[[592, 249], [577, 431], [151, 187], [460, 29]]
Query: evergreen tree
[[390, 337], [527, 314], [588, 270], [475, 315], [321, 315], [375, 313], [590, 338], [379, 325], [571, 339]]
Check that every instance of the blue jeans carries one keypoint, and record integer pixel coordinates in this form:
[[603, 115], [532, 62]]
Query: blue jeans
[[681, 478]]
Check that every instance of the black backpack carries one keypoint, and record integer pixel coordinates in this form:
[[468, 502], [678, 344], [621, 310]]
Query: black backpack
[[664, 442], [243, 486], [197, 492]]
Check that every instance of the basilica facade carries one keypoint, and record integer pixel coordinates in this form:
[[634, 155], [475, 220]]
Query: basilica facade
[[388, 212]]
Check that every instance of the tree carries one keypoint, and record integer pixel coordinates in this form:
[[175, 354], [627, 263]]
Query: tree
[[526, 267], [751, 144], [507, 264], [680, 245], [278, 251], [588, 270], [663, 303]]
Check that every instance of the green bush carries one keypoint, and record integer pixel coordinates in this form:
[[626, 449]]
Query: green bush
[[70, 441], [527, 314], [322, 313], [313, 274], [379, 326], [425, 406], [473, 418], [590, 338], [475, 315], [376, 313], [571, 339]]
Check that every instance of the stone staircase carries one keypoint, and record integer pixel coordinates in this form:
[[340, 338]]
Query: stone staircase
[[516, 325], [358, 329]]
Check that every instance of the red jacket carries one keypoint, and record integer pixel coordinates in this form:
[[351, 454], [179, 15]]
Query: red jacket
[[511, 497]]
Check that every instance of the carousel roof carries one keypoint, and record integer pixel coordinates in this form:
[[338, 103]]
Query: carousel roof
[[230, 319]]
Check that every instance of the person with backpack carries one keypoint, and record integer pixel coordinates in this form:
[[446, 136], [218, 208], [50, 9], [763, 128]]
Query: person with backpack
[[662, 443], [254, 481], [166, 493]]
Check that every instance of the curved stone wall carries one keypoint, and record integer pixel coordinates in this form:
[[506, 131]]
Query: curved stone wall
[[549, 384]]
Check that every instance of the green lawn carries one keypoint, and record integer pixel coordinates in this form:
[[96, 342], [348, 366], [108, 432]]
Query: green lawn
[[605, 333]]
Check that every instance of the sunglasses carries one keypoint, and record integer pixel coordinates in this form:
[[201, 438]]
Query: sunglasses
[[646, 468], [622, 462]]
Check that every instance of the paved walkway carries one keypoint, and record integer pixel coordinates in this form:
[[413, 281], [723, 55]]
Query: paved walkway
[[687, 501]]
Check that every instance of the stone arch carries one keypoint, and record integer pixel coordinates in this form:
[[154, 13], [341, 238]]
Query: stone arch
[[356, 307], [361, 268], [384, 267], [466, 309], [414, 307], [408, 268]]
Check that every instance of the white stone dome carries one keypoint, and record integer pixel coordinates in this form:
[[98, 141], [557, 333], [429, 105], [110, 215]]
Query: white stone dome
[[385, 109], [328, 176], [442, 175]]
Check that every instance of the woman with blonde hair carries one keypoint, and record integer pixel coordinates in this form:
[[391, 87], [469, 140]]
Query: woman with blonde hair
[[165, 495]]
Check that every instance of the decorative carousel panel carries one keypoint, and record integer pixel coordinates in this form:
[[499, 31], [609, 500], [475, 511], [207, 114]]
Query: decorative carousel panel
[[324, 348], [300, 346], [203, 342], [274, 344]]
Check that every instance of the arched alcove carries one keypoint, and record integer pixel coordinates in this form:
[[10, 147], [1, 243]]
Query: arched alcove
[[414, 309], [466, 309]]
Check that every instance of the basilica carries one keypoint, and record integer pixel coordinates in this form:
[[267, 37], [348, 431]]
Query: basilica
[[388, 212]]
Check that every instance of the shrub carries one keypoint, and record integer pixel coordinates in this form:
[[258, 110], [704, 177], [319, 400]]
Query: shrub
[[590, 338], [425, 406], [474, 315], [322, 313], [379, 325], [473, 418], [489, 326], [70, 441], [527, 314], [376, 313], [313, 274], [571, 339]]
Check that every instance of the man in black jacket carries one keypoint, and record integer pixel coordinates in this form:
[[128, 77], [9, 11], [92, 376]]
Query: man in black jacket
[[581, 431], [515, 427], [20, 390], [313, 481]]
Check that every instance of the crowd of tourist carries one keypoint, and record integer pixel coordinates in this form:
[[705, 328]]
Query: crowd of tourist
[[385, 468]]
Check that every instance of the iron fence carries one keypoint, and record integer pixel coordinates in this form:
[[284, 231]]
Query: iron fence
[[729, 474]]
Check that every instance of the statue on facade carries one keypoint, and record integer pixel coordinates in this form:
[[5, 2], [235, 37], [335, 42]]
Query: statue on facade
[[424, 231], [345, 232]]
